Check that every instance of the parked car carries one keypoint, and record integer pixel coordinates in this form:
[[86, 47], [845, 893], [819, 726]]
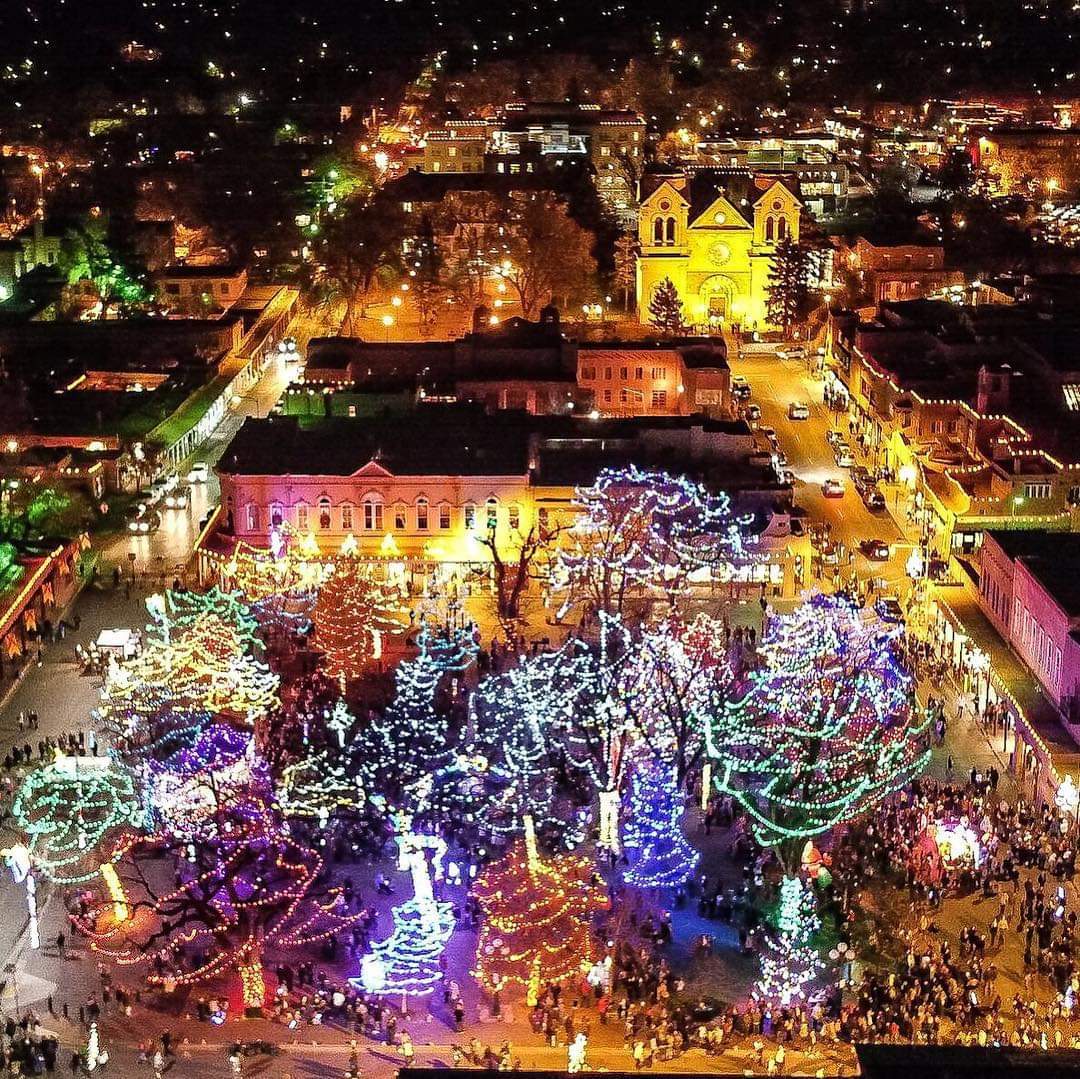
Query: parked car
[[834, 438], [844, 457], [740, 388], [798, 410], [163, 485], [787, 477], [178, 499], [753, 412], [199, 472], [779, 460], [877, 550], [769, 433], [861, 478], [833, 488]]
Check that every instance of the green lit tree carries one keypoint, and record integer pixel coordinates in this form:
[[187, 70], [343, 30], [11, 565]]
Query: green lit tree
[[88, 253], [666, 309]]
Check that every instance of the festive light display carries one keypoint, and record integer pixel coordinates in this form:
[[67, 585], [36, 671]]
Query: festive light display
[[181, 612], [352, 612], [660, 856], [340, 722], [187, 791], [535, 928], [318, 787], [643, 531], [409, 740], [407, 962], [67, 811], [253, 887], [790, 962], [823, 731]]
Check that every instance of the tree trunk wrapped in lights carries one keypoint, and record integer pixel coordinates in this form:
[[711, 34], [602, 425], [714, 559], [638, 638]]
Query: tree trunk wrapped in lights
[[660, 856], [536, 917], [823, 732]]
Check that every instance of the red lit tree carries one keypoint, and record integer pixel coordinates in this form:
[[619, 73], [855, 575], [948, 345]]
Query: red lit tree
[[351, 613], [537, 914]]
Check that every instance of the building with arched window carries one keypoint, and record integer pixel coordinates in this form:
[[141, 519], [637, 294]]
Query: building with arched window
[[713, 234]]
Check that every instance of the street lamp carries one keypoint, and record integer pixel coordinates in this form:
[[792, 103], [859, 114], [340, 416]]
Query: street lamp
[[387, 321]]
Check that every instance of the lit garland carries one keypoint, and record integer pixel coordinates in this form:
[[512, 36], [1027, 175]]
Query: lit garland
[[638, 530], [181, 612], [660, 856], [536, 916], [352, 612], [824, 731]]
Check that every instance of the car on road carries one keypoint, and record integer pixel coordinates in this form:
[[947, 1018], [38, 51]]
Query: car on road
[[844, 457], [753, 412], [798, 410], [163, 485], [833, 488], [873, 499], [888, 609], [791, 352], [740, 388], [787, 477], [769, 433], [199, 472], [834, 438], [877, 550], [144, 522], [178, 499], [779, 460]]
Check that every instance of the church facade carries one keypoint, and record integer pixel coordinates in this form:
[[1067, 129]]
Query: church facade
[[713, 234]]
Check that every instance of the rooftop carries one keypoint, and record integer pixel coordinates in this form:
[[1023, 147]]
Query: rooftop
[[1053, 558]]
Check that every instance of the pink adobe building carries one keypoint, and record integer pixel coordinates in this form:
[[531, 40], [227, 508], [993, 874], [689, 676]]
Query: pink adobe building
[[1029, 588]]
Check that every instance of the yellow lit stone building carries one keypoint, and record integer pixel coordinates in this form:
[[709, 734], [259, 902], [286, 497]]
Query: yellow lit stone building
[[713, 234]]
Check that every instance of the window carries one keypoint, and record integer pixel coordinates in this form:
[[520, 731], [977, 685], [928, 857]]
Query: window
[[624, 396], [451, 151], [639, 373], [444, 516], [324, 513], [276, 515], [658, 230], [657, 373], [513, 516], [346, 516], [469, 516], [623, 373], [253, 517], [605, 151], [400, 523], [588, 373], [659, 398], [1037, 490], [352, 412], [542, 519], [492, 508], [937, 427], [607, 372], [372, 515], [770, 226], [781, 228], [670, 231], [607, 397], [421, 514], [301, 516], [436, 165]]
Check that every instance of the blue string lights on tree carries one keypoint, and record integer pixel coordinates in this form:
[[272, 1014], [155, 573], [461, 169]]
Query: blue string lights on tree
[[660, 856]]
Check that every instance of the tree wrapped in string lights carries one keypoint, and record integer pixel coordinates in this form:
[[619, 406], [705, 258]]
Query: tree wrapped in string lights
[[352, 612], [71, 812], [251, 888], [188, 790], [641, 532], [407, 962], [411, 738], [660, 856], [316, 787], [822, 733], [537, 914]]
